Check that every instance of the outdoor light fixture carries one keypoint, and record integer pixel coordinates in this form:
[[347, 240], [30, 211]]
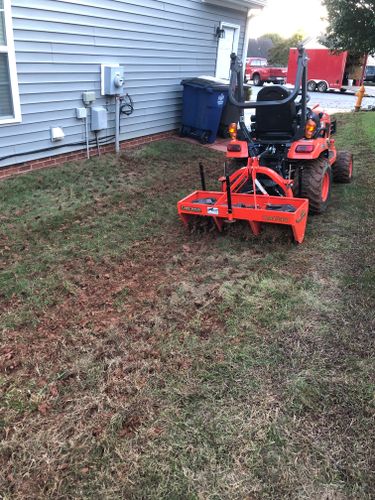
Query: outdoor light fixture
[[220, 32]]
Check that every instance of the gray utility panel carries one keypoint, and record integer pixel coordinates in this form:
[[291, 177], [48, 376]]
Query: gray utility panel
[[99, 119]]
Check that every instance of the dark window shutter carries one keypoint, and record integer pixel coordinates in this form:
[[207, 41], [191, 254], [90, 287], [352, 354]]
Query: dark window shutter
[[6, 105]]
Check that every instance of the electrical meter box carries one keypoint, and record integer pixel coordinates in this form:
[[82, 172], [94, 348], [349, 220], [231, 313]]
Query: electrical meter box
[[99, 119], [112, 79]]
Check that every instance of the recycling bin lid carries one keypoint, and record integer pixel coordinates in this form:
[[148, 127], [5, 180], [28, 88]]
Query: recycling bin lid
[[207, 82]]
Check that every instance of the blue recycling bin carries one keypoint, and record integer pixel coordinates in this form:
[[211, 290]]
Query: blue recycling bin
[[203, 103]]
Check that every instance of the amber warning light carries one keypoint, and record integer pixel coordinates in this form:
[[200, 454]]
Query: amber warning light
[[233, 131], [310, 129]]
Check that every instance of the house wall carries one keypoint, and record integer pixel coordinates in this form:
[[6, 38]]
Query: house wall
[[60, 46]]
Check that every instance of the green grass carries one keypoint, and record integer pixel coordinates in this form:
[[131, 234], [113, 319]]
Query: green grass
[[143, 361], [90, 211]]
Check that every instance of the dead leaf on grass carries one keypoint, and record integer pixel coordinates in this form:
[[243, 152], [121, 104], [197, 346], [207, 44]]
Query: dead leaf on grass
[[43, 408], [63, 466], [54, 390], [155, 431]]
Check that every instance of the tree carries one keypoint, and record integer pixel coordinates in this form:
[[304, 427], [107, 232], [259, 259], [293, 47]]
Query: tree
[[274, 37], [259, 47], [351, 26], [279, 53]]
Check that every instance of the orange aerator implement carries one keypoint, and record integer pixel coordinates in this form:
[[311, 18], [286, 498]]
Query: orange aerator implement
[[257, 209]]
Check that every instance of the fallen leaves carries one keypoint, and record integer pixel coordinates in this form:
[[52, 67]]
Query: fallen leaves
[[44, 408]]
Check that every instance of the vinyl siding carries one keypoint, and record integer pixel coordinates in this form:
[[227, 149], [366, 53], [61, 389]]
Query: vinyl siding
[[60, 46]]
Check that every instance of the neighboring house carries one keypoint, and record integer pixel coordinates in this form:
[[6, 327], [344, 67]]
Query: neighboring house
[[51, 51]]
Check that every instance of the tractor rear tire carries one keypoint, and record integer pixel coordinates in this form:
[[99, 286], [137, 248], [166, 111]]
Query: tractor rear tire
[[342, 169], [233, 164], [316, 182]]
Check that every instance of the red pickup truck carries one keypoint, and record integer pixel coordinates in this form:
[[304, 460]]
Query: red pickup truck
[[257, 69]]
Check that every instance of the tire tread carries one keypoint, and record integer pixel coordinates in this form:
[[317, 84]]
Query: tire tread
[[341, 170], [311, 188]]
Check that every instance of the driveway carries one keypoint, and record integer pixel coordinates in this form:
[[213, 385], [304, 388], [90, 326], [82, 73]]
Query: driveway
[[333, 101]]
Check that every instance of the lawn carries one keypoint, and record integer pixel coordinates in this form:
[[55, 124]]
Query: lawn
[[141, 361]]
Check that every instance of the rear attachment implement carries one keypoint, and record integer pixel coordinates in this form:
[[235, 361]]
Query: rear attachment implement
[[231, 204]]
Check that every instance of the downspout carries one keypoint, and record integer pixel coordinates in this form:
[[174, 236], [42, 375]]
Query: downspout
[[251, 13], [246, 38]]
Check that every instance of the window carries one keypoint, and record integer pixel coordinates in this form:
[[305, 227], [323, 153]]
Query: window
[[10, 110]]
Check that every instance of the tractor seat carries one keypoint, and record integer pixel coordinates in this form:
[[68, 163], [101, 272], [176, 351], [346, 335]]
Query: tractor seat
[[275, 124]]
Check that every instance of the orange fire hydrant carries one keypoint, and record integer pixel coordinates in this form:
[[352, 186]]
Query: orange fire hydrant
[[361, 92]]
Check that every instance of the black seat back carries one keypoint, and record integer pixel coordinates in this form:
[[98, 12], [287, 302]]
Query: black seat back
[[275, 123]]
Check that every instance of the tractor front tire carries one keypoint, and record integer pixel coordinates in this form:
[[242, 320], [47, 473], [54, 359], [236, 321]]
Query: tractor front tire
[[342, 169], [316, 181]]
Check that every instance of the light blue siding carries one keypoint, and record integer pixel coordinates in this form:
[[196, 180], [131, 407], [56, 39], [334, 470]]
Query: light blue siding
[[60, 46]]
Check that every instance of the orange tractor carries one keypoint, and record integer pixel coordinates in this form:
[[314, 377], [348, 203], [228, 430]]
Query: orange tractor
[[282, 168]]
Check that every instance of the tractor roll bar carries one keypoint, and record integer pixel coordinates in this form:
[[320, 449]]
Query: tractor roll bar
[[236, 84]]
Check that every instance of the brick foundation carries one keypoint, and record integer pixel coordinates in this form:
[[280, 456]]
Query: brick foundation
[[53, 161]]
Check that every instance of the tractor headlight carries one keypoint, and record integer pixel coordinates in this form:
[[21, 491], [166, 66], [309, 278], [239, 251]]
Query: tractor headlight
[[310, 129], [233, 131]]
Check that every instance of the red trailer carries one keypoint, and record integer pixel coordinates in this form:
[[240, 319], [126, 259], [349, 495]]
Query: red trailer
[[328, 70]]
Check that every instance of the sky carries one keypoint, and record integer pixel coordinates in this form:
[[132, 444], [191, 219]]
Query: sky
[[288, 16]]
